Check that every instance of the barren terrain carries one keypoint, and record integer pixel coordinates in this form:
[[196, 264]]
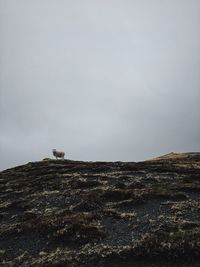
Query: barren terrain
[[70, 213]]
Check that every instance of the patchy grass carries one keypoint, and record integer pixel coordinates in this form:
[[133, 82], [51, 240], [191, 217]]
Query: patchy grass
[[72, 213]]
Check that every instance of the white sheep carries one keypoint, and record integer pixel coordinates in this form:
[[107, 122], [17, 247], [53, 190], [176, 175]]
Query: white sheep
[[58, 154]]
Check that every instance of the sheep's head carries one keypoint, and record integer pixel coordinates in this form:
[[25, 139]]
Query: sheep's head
[[54, 151]]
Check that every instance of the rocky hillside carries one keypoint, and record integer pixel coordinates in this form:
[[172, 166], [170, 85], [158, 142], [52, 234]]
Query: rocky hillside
[[70, 213]]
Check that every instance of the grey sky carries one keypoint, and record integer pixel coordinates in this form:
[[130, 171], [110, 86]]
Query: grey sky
[[101, 79]]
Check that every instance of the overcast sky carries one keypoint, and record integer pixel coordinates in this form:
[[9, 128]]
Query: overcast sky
[[100, 79]]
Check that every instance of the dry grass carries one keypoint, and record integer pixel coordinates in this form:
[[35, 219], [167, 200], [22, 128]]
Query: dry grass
[[70, 213]]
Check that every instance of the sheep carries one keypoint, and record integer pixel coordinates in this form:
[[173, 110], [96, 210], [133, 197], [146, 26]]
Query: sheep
[[58, 154]]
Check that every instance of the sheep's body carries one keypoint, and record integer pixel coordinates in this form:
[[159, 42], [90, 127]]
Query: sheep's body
[[58, 154]]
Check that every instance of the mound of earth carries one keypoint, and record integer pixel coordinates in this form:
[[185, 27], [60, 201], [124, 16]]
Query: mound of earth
[[70, 213]]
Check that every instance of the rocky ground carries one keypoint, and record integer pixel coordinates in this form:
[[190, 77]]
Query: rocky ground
[[70, 213]]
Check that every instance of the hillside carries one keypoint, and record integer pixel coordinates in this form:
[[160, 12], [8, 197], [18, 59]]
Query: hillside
[[71, 213]]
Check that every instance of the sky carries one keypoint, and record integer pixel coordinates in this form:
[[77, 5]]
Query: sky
[[102, 80]]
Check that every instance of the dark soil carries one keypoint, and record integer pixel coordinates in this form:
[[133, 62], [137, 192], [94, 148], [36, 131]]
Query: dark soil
[[69, 213]]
